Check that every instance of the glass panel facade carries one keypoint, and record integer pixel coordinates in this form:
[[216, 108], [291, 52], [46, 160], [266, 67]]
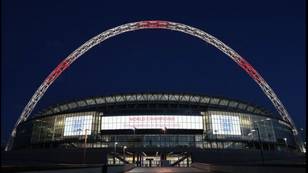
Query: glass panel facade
[[226, 125], [80, 125], [213, 129], [238, 126], [61, 127]]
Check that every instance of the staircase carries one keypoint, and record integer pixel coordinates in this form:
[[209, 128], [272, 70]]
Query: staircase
[[186, 155], [118, 156]]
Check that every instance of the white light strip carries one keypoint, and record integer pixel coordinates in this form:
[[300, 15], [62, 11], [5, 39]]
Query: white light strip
[[151, 122]]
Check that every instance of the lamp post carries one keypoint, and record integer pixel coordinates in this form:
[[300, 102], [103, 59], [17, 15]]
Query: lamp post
[[135, 140], [85, 145], [134, 129], [79, 136], [215, 131], [286, 143], [164, 130], [124, 147], [251, 139], [115, 150], [261, 147], [115, 147]]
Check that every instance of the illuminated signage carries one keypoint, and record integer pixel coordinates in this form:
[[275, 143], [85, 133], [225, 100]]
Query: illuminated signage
[[151, 122], [78, 125], [226, 125]]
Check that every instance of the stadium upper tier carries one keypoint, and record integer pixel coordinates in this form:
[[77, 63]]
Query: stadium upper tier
[[148, 98]]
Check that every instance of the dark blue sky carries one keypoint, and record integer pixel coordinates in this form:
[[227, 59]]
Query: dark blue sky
[[37, 35]]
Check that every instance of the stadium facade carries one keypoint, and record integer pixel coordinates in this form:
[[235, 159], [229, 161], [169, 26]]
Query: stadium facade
[[156, 128]]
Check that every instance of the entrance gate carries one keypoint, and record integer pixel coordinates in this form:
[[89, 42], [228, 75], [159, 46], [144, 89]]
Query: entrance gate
[[146, 160]]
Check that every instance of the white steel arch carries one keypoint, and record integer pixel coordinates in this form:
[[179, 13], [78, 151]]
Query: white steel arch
[[156, 24]]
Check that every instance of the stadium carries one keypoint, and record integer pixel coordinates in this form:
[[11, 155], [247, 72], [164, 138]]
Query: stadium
[[152, 129]]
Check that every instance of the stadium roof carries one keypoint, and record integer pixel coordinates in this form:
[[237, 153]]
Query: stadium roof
[[192, 99]]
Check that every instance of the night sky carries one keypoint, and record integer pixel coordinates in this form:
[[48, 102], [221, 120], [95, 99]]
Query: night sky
[[37, 35]]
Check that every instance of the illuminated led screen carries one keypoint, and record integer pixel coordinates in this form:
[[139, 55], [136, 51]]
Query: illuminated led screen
[[226, 125], [151, 122], [77, 125]]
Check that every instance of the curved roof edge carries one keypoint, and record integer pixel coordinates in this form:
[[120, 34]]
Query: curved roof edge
[[154, 97]]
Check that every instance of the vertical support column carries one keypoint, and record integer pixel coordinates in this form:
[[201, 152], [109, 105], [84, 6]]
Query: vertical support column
[[114, 159], [140, 164], [134, 158], [163, 156], [187, 159], [54, 129]]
